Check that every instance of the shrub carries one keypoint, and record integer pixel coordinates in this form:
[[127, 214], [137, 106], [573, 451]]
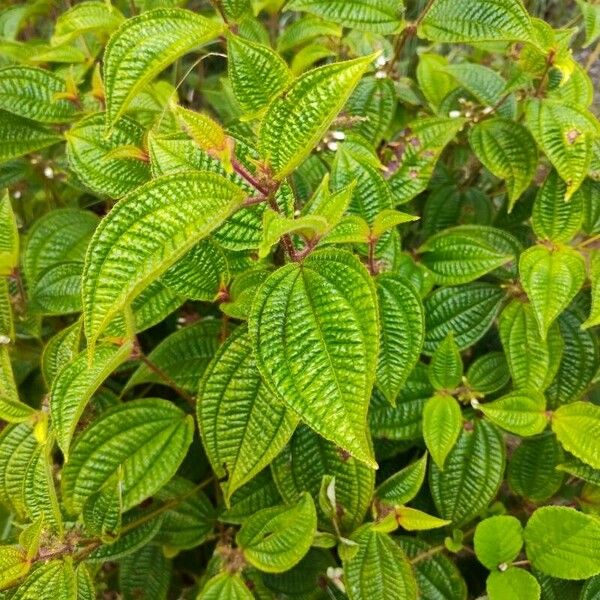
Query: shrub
[[299, 301]]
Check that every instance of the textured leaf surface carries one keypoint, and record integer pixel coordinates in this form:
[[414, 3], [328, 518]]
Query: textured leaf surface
[[446, 368], [58, 291], [378, 16], [442, 424], [563, 542], [472, 474], [109, 283], [508, 151], [380, 569], [516, 584], [275, 539], [13, 564], [498, 540], [145, 574], [75, 385], [521, 412], [145, 45], [87, 17], [404, 485], [19, 136], [473, 21], [577, 427], [92, 156], [9, 237], [56, 575], [296, 120], [307, 459], [225, 585], [146, 438], [242, 425], [551, 278], [315, 334], [402, 326]]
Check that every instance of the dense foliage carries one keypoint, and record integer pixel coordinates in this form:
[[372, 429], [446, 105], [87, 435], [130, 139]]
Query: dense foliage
[[299, 301]]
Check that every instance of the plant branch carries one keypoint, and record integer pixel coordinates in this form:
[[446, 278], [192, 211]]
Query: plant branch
[[167, 379]]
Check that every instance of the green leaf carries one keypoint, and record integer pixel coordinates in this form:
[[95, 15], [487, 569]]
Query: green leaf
[[9, 237], [532, 469], [516, 584], [75, 385], [58, 291], [521, 412], [488, 373], [225, 585], [379, 569], [183, 356], [446, 368], [257, 74], [59, 236], [412, 519], [377, 16], [591, 21], [35, 94], [388, 219], [146, 438], [437, 576], [422, 146], [551, 277], [243, 426], [563, 542], [319, 354], [503, 20], [565, 134], [13, 565], [59, 350], [102, 510], [403, 486], [594, 276], [508, 151], [88, 17], [552, 218], [297, 119], [498, 540], [536, 368], [402, 326], [472, 474], [56, 575], [176, 226], [306, 460], [144, 46], [442, 424], [464, 253], [577, 427], [467, 310], [19, 136], [275, 539], [94, 157], [12, 409], [145, 574]]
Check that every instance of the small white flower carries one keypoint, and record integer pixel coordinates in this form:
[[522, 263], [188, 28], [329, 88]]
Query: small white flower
[[17, 194], [380, 75], [454, 114], [332, 146], [380, 62], [475, 403], [338, 135], [48, 172], [4, 339]]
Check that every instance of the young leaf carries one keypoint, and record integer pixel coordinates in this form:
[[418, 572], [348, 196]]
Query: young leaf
[[521, 412], [35, 94], [19, 136], [145, 45], [379, 569], [108, 287], [225, 585], [563, 542], [467, 311], [508, 151], [87, 17], [551, 277], [565, 134], [14, 565], [243, 426], [75, 385], [577, 426], [257, 74], [472, 474], [462, 254], [404, 485], [307, 460], [9, 237], [93, 155], [319, 354], [401, 314], [498, 540], [552, 218], [516, 584], [446, 368], [146, 439], [503, 20], [412, 519], [442, 424], [297, 119], [275, 539]]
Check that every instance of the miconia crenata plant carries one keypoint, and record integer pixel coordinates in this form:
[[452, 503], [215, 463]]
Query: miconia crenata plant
[[299, 300]]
